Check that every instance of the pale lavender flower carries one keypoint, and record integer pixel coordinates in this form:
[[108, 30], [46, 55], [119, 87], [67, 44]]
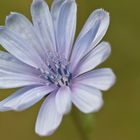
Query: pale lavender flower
[[42, 59]]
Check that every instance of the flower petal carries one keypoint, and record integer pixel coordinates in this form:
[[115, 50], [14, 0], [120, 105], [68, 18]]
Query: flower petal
[[42, 21], [19, 48], [97, 56], [91, 34], [14, 73], [55, 10], [18, 80], [21, 25], [102, 79], [48, 118], [11, 97], [8, 57], [11, 64], [24, 98], [63, 100], [64, 18], [86, 98]]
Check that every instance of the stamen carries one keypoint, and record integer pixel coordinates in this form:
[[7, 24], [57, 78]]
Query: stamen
[[57, 71]]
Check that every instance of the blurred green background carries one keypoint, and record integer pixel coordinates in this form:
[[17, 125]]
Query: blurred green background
[[119, 119]]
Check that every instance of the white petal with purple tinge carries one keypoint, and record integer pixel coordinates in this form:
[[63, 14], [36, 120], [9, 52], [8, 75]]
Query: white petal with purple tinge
[[43, 24], [11, 97], [22, 26], [24, 98], [97, 56], [14, 73], [64, 18], [8, 57], [18, 80], [9, 63], [48, 118], [86, 98], [63, 100], [102, 79], [91, 34], [19, 48], [55, 10]]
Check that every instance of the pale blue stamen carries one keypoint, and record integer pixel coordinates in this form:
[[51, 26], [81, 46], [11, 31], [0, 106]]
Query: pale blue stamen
[[57, 71]]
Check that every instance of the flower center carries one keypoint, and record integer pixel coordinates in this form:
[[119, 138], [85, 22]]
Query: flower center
[[57, 70]]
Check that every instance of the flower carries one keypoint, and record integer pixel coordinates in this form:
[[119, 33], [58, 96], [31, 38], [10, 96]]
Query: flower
[[42, 60]]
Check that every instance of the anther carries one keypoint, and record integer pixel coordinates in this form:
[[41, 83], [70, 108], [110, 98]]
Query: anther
[[57, 71]]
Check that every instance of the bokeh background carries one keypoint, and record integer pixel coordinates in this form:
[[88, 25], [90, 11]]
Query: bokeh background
[[119, 119]]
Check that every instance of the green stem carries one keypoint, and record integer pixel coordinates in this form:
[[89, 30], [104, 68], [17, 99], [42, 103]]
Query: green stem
[[78, 124]]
